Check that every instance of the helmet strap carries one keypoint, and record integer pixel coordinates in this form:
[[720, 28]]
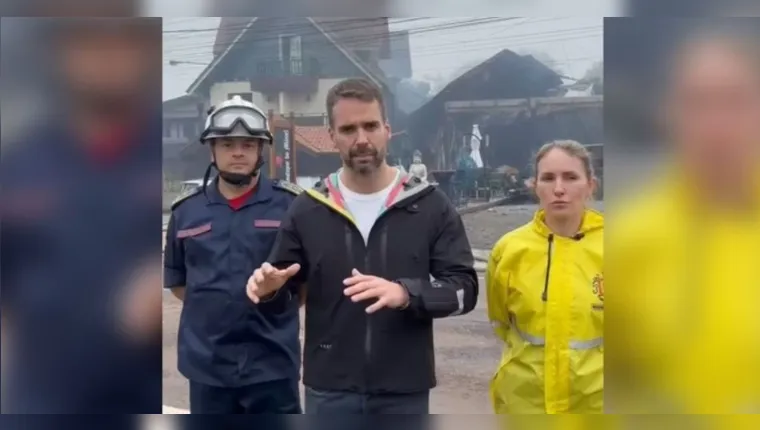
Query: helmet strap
[[240, 180]]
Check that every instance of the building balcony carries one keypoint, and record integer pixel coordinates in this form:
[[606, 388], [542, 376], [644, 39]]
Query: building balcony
[[292, 76]]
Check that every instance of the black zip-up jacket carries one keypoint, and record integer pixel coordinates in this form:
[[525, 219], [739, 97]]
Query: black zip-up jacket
[[419, 234]]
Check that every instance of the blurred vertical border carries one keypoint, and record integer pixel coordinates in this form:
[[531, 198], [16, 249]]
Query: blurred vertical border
[[48, 238]]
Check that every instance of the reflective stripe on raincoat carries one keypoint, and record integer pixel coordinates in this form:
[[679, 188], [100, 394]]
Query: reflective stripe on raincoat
[[546, 302]]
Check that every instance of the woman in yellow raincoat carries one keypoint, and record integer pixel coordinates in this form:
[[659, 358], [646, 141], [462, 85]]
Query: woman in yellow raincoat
[[684, 327], [546, 294]]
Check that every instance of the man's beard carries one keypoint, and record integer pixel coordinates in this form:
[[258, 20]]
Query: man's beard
[[364, 168], [237, 179]]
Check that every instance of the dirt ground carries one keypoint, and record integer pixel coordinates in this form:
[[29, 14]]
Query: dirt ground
[[466, 350]]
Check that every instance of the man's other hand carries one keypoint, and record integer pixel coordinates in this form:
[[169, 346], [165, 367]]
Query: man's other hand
[[387, 294]]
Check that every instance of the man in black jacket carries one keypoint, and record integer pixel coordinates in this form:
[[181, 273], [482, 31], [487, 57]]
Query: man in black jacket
[[366, 241]]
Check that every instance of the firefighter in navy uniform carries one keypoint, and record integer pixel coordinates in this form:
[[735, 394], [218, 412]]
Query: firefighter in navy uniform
[[239, 358]]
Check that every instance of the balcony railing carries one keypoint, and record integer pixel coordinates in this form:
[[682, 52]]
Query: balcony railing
[[308, 67]]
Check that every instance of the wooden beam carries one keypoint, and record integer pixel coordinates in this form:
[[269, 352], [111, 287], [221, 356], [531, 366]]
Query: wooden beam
[[293, 149], [272, 151], [540, 104]]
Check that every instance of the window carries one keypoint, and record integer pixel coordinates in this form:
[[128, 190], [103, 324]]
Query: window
[[290, 47], [290, 54]]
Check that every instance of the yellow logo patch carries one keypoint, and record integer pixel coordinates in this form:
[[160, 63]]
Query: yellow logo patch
[[598, 286]]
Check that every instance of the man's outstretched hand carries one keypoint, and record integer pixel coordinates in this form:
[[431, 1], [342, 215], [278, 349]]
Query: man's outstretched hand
[[267, 279], [387, 294]]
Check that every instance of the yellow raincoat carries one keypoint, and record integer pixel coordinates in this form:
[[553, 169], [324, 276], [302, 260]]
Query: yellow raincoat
[[684, 327], [553, 358]]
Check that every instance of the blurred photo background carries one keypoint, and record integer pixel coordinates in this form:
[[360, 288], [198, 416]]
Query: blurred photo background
[[682, 104]]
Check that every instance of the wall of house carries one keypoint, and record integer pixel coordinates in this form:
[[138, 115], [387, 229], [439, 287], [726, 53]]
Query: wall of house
[[309, 105], [220, 92]]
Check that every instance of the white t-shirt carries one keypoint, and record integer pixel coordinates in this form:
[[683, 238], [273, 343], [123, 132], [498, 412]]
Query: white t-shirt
[[365, 208]]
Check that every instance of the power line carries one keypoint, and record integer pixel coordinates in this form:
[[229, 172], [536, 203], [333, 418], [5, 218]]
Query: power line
[[417, 71], [507, 42], [553, 65], [301, 30], [195, 48], [359, 23]]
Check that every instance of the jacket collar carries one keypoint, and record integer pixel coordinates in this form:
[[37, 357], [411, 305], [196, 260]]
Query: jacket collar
[[263, 192], [592, 220]]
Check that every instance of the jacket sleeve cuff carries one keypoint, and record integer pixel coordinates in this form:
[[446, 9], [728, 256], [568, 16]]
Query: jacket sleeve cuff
[[414, 288], [428, 301], [173, 278], [282, 292]]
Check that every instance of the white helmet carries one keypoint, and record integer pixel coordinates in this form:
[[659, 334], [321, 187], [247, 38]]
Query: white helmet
[[236, 117]]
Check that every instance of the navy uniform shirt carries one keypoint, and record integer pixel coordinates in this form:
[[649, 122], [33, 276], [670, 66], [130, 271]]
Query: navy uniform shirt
[[75, 227], [212, 249]]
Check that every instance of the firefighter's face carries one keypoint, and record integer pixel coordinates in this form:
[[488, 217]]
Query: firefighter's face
[[562, 185], [715, 109], [237, 154], [360, 133], [114, 65]]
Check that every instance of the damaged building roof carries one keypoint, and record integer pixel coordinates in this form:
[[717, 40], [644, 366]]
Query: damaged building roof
[[506, 75]]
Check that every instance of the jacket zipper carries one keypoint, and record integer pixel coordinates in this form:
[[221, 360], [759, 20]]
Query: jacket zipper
[[366, 249], [367, 336], [545, 294], [349, 239]]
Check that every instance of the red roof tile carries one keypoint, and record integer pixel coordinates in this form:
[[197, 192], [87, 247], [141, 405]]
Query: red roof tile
[[316, 138]]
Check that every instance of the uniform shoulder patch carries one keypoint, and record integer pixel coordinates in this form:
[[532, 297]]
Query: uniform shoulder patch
[[290, 187], [184, 196]]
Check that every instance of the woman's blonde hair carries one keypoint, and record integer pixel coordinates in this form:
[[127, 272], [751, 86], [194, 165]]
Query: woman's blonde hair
[[571, 148]]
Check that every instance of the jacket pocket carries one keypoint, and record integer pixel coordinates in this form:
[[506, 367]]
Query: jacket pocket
[[194, 231], [199, 250]]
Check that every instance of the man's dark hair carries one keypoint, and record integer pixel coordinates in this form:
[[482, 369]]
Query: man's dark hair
[[354, 88]]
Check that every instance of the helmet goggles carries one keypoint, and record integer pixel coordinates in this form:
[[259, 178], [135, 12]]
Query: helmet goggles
[[236, 121]]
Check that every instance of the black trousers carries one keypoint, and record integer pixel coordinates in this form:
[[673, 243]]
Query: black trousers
[[336, 410], [275, 397]]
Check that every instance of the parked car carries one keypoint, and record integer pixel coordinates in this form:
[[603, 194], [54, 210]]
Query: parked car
[[192, 184]]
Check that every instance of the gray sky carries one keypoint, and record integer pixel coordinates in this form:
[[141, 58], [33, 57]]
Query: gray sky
[[574, 44]]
